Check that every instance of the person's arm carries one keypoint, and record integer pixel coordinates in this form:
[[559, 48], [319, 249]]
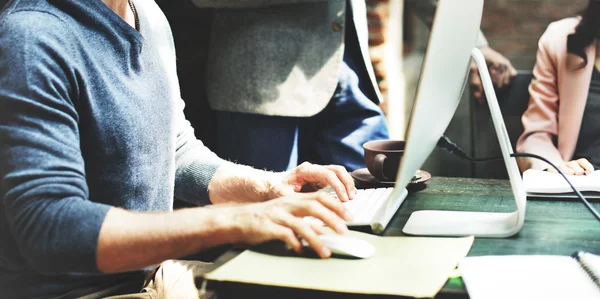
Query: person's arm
[[245, 3], [501, 70], [56, 227], [195, 164], [540, 120], [130, 240], [243, 184], [46, 201], [202, 178]]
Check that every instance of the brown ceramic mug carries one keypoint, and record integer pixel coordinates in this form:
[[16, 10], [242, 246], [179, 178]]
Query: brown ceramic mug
[[382, 158]]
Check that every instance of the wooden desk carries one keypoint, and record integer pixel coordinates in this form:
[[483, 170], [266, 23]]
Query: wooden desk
[[557, 227]]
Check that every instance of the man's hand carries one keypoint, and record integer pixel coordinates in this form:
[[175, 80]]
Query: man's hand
[[281, 219], [243, 184], [311, 177], [500, 68], [576, 167]]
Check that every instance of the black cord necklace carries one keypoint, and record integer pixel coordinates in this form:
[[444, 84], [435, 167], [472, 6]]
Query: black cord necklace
[[135, 15]]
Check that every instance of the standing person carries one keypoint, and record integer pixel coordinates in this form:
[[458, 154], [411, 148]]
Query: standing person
[[560, 122], [292, 81], [500, 68], [312, 95], [94, 149]]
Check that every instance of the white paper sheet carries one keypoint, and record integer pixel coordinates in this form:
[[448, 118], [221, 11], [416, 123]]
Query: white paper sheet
[[526, 277]]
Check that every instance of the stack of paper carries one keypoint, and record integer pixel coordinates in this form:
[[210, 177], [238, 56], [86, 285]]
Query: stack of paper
[[526, 277], [547, 184]]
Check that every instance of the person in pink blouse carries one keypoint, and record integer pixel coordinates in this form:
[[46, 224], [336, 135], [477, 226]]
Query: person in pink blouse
[[562, 121]]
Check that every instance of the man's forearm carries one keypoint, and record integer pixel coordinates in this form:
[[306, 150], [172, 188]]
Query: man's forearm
[[130, 240], [234, 183]]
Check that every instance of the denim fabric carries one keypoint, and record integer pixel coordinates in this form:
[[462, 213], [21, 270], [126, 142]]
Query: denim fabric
[[333, 136]]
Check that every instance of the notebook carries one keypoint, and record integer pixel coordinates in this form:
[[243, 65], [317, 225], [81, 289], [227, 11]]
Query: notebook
[[533, 276], [539, 183]]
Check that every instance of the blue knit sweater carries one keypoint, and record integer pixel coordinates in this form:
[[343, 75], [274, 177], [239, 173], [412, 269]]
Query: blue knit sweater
[[90, 117]]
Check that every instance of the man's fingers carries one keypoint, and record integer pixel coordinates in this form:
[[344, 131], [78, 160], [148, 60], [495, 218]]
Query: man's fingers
[[512, 71], [478, 95], [332, 180], [287, 235], [506, 76], [495, 75], [474, 76], [306, 232], [320, 174], [586, 165], [574, 165], [345, 178], [323, 209], [333, 205], [317, 227], [476, 87], [503, 77]]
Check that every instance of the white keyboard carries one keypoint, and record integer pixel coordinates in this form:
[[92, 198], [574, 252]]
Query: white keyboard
[[366, 204], [371, 207]]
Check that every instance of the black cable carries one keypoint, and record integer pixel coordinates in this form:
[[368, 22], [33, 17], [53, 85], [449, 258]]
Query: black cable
[[451, 147], [454, 149]]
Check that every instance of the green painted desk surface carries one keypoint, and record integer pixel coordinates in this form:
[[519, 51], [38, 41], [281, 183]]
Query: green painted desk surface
[[557, 227]]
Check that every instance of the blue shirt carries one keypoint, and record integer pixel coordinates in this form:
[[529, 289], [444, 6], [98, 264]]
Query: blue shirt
[[90, 117]]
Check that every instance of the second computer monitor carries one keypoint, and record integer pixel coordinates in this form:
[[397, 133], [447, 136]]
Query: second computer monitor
[[443, 76]]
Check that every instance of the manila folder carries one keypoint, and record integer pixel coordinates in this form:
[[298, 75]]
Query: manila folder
[[405, 266]]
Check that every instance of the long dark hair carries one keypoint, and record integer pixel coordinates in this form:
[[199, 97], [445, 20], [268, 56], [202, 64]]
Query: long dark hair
[[586, 32]]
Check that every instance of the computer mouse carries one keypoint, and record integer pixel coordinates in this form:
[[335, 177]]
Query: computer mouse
[[346, 246]]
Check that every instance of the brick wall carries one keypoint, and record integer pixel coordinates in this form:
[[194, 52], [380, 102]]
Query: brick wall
[[377, 14], [513, 27]]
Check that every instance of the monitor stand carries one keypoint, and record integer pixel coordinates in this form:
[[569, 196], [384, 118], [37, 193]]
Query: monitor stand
[[479, 224]]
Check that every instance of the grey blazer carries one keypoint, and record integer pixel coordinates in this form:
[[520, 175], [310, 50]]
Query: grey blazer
[[281, 57]]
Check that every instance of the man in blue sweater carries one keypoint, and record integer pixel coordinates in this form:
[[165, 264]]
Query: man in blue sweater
[[94, 149]]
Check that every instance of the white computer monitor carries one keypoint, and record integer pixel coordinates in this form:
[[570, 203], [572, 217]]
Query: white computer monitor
[[443, 78]]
